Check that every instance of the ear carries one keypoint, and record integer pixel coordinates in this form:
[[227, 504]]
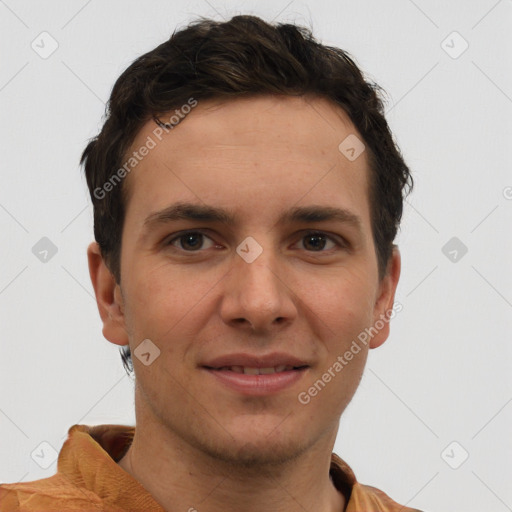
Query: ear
[[383, 308], [108, 297]]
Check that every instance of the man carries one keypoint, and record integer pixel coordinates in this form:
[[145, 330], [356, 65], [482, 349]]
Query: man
[[246, 193]]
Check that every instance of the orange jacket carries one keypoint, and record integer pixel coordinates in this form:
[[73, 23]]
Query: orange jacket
[[88, 478]]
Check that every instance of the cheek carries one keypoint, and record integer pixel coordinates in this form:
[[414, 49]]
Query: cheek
[[157, 292], [347, 310], [346, 301], [152, 303], [168, 304]]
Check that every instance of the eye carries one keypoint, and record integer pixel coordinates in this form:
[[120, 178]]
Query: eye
[[190, 241], [316, 241], [194, 241]]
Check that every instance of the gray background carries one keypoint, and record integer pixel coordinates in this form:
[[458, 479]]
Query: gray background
[[444, 374]]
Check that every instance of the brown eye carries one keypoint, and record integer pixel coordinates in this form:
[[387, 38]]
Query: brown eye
[[317, 241], [190, 241]]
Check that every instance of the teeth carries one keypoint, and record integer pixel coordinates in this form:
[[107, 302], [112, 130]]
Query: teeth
[[257, 371], [264, 371]]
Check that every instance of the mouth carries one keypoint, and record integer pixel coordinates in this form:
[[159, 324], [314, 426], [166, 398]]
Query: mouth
[[256, 381], [247, 370]]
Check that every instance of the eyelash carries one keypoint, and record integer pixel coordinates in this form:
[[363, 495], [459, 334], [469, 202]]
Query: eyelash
[[178, 236]]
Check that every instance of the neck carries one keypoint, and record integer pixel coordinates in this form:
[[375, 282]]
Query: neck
[[182, 477]]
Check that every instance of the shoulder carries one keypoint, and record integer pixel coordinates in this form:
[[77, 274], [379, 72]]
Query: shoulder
[[52, 493], [368, 496], [362, 498]]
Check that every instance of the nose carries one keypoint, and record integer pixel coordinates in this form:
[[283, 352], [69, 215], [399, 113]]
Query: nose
[[257, 296]]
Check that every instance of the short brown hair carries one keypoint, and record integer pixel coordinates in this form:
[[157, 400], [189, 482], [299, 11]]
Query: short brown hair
[[244, 56]]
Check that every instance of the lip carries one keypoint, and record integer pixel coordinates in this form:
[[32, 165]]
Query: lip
[[253, 361], [257, 385]]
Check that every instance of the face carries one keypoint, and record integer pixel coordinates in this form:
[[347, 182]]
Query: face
[[254, 279]]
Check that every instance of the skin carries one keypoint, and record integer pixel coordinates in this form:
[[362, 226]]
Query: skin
[[197, 443]]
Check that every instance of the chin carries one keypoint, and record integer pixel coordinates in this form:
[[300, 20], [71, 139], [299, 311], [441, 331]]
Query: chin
[[258, 454], [256, 443]]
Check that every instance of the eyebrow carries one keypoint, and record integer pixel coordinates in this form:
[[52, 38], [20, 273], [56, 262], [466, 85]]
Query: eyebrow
[[205, 213]]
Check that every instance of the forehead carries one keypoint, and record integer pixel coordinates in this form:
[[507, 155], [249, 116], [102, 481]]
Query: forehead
[[270, 145], [314, 123]]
